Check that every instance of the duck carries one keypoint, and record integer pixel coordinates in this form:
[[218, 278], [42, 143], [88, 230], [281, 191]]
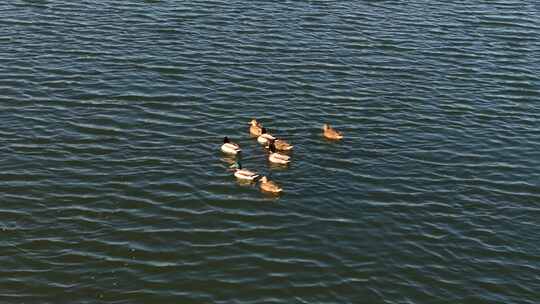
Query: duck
[[255, 128], [276, 157], [282, 145], [270, 186], [243, 174], [331, 133], [264, 138], [229, 147]]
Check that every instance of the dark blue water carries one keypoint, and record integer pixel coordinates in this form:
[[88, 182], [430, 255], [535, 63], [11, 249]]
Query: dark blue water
[[113, 188]]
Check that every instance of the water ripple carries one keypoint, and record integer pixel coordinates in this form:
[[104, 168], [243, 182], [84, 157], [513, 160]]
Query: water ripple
[[113, 187]]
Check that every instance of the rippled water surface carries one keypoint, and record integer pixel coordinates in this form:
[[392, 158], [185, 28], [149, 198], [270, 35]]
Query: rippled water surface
[[113, 188]]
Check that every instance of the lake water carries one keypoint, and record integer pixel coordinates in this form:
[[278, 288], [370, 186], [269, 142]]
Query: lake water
[[113, 188]]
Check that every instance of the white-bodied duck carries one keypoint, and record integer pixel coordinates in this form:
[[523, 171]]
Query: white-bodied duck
[[276, 157], [243, 174], [229, 147], [264, 138]]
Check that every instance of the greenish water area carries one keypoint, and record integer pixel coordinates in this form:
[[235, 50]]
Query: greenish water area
[[113, 188]]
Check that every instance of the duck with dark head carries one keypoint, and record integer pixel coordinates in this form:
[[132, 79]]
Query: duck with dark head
[[243, 174], [276, 157], [264, 138], [229, 147]]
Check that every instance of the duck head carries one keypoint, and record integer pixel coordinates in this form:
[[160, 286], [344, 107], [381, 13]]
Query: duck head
[[226, 140], [272, 146], [236, 165]]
